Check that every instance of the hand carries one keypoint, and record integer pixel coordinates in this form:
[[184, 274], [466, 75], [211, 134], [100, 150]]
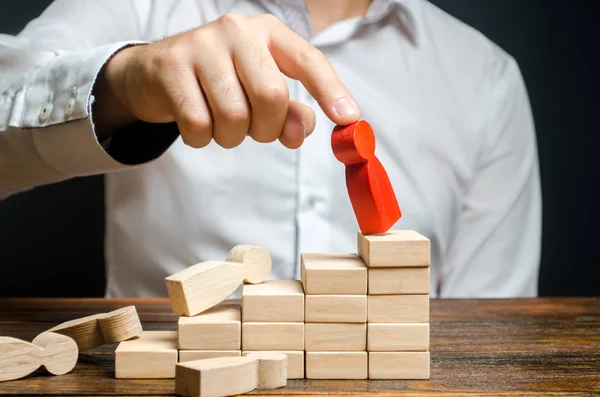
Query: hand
[[224, 81]]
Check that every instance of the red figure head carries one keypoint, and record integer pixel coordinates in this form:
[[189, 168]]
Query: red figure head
[[354, 143]]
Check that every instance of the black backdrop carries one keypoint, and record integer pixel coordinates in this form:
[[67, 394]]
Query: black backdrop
[[51, 239]]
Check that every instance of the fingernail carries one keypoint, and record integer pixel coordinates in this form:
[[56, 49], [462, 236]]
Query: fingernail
[[346, 107], [304, 129]]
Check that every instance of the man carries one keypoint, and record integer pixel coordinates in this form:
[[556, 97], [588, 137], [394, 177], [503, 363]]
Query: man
[[184, 106]]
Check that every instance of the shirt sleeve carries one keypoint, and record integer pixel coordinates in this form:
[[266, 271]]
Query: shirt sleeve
[[47, 73], [496, 248]]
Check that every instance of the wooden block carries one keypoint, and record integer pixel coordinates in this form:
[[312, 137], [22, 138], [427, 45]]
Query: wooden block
[[18, 358], [335, 274], [103, 328], [336, 309], [206, 284], [273, 300], [216, 377], [399, 281], [336, 365], [396, 248], [398, 337], [272, 369], [335, 337], [272, 336], [192, 355], [295, 363], [152, 355], [398, 309], [218, 328], [399, 365]]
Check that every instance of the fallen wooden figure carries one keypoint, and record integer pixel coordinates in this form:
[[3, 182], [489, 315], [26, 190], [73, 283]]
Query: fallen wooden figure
[[228, 376]]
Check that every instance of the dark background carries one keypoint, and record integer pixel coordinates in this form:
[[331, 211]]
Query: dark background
[[51, 239]]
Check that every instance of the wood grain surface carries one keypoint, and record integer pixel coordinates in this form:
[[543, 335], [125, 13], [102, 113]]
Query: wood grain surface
[[516, 347]]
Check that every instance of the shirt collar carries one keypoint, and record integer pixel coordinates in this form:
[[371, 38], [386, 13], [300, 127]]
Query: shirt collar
[[296, 14], [297, 17], [379, 9]]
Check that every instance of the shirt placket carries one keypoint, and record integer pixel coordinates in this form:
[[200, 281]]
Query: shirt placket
[[314, 160], [311, 225]]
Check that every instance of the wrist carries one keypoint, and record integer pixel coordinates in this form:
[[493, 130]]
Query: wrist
[[111, 110]]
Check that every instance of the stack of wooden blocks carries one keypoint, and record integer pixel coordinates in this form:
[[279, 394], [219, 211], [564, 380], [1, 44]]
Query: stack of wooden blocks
[[351, 316], [336, 316], [398, 304], [273, 320]]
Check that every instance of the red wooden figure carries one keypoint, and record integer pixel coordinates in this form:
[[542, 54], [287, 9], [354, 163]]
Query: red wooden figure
[[369, 187]]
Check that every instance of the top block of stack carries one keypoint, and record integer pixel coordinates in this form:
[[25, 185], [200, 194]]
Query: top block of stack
[[396, 248]]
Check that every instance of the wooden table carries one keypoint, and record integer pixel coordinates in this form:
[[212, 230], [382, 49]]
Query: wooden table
[[480, 347]]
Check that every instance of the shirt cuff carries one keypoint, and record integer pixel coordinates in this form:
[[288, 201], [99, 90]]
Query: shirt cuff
[[141, 142], [58, 107]]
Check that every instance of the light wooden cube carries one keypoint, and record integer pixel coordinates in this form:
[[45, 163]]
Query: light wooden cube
[[151, 355], [398, 337], [295, 365], [218, 328], [336, 365], [396, 248], [336, 309], [273, 300], [272, 336], [216, 377], [398, 309], [335, 337], [335, 274], [191, 355], [399, 365], [399, 281]]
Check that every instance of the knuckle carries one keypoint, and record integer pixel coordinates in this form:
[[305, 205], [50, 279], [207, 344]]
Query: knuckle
[[167, 58], [235, 112], [197, 123], [232, 21], [276, 94], [310, 55], [201, 35], [267, 19]]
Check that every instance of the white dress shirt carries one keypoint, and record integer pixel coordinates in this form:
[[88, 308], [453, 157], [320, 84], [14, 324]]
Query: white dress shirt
[[449, 108]]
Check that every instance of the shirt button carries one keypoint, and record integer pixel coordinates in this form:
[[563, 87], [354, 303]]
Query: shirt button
[[46, 111], [70, 107]]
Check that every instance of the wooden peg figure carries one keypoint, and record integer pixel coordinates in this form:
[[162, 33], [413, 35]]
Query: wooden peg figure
[[371, 193], [103, 328], [18, 358], [206, 284]]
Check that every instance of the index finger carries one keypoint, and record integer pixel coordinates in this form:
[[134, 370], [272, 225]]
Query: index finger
[[299, 60]]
